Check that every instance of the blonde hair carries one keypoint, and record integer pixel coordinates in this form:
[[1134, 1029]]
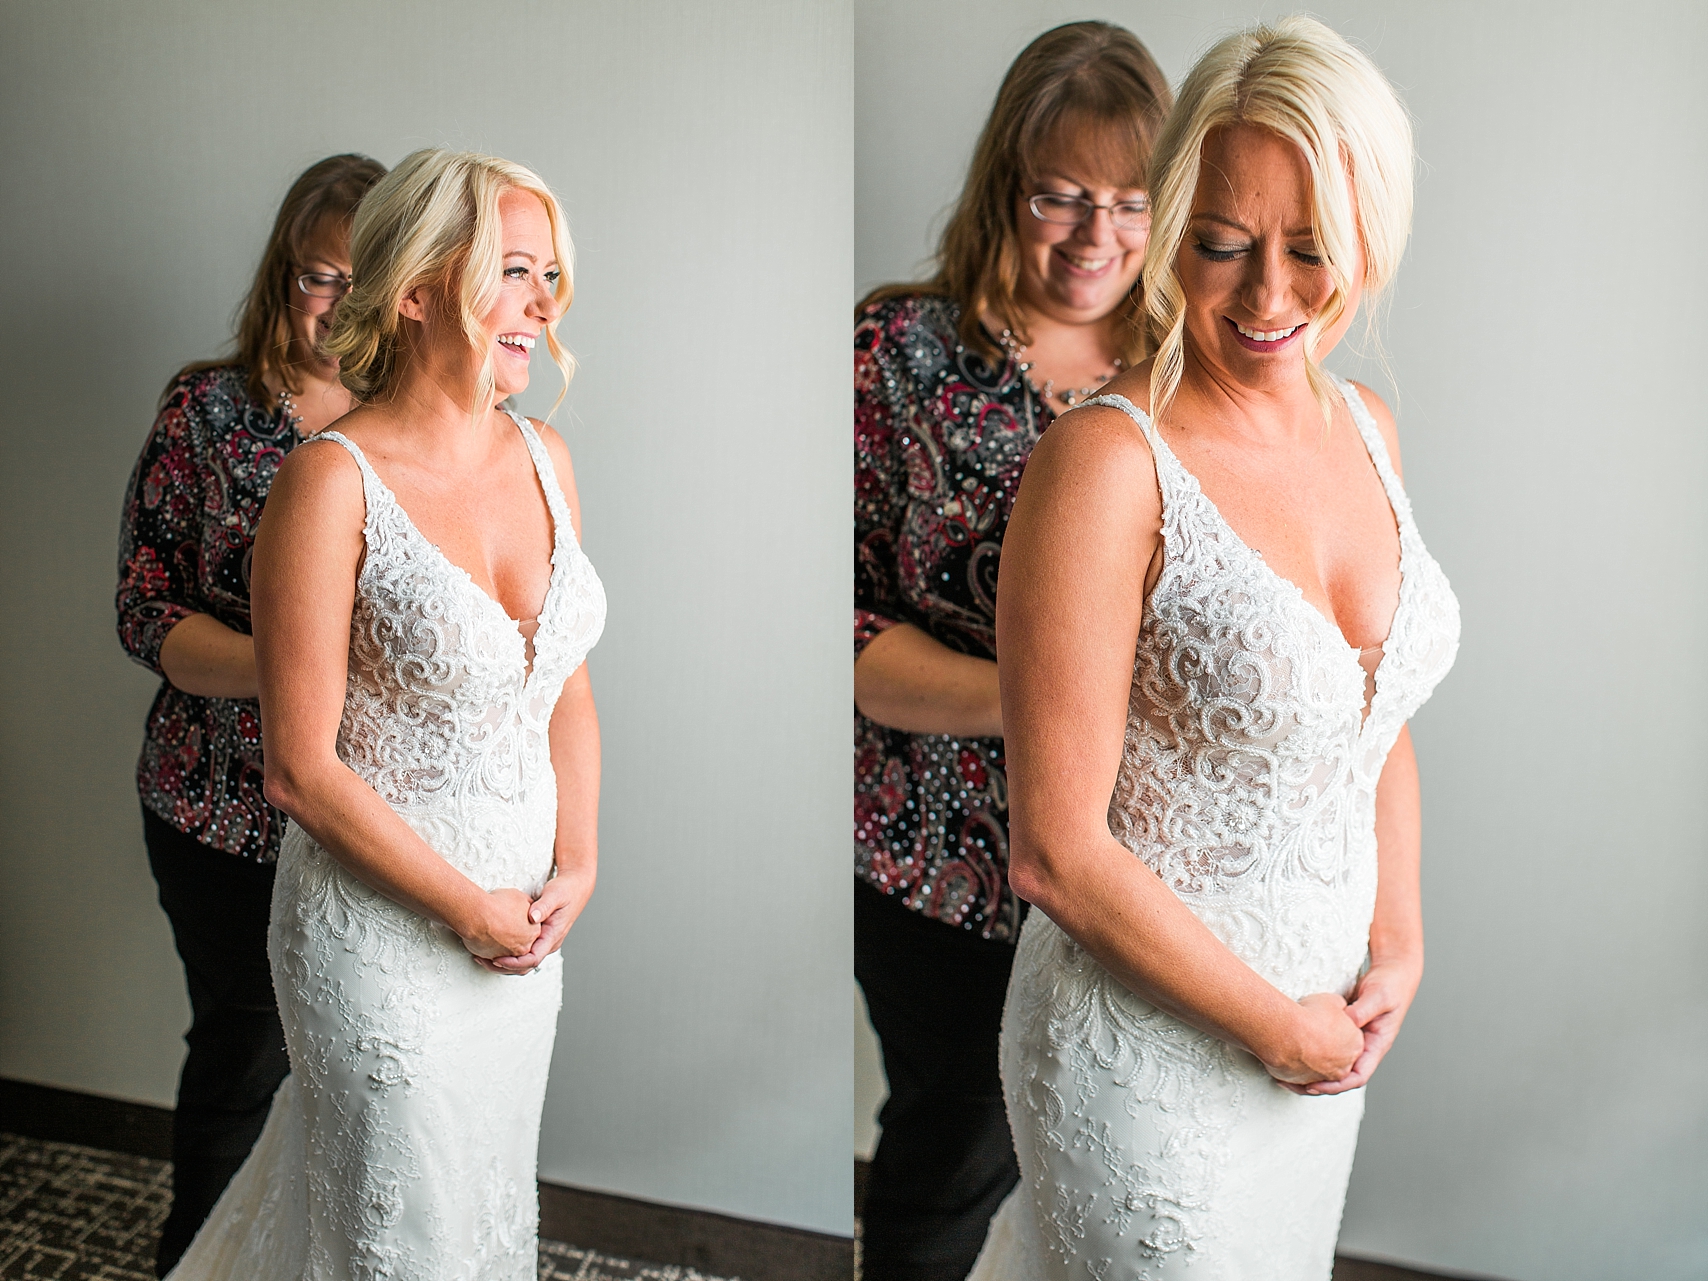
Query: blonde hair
[[434, 221], [1303, 82], [1095, 74]]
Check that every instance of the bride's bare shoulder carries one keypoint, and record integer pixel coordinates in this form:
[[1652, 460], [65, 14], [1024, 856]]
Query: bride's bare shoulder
[[556, 447], [321, 477], [1385, 423], [1098, 454]]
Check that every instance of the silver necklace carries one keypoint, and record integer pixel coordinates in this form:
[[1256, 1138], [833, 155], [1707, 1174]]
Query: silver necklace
[[1069, 396], [288, 407]]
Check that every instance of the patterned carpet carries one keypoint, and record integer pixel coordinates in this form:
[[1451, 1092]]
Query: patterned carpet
[[71, 1213]]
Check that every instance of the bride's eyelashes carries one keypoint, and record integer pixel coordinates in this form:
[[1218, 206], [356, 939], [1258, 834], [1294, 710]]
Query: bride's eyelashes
[[551, 275], [1217, 253], [1227, 253]]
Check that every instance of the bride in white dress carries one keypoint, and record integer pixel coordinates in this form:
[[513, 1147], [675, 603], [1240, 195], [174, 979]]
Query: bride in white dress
[[422, 612], [1214, 621]]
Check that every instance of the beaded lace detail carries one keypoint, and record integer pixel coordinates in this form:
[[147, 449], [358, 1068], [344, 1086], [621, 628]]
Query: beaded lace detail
[[444, 715], [402, 1146], [1247, 783]]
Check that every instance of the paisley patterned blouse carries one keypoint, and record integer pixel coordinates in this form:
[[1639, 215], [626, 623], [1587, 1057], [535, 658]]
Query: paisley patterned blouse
[[189, 520], [940, 439]]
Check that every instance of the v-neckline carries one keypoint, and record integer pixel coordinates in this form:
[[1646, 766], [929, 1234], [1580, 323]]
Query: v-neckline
[[1366, 709], [539, 619]]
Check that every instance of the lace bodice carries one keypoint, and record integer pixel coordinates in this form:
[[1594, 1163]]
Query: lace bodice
[[1149, 1150], [1248, 776], [403, 1144], [445, 716]]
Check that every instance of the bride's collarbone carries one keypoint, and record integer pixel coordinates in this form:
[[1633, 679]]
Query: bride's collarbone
[[494, 524], [504, 548], [1318, 516]]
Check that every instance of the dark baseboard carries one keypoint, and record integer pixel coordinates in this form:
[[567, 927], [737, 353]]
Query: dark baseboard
[[708, 1242], [91, 1120], [701, 1239], [1352, 1268]]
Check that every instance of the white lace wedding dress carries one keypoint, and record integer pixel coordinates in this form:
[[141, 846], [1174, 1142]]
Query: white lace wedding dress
[[403, 1143], [1149, 1150]]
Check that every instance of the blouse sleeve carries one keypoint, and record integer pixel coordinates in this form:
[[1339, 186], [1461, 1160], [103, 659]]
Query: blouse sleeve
[[879, 481], [160, 534]]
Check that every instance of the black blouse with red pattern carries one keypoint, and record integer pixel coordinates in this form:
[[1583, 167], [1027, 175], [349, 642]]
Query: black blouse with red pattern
[[940, 439], [189, 521]]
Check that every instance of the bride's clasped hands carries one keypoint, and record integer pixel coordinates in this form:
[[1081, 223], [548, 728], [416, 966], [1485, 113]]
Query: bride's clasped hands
[[1377, 1009], [1324, 1043], [1336, 1046], [504, 945], [1333, 1045]]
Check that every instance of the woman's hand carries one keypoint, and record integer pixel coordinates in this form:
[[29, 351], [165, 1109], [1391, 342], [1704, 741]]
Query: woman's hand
[[555, 910], [502, 926], [1322, 1046], [1378, 1008]]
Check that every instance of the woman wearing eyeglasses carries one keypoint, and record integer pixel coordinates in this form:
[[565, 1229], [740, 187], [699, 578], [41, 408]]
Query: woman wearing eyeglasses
[[1032, 309], [190, 514]]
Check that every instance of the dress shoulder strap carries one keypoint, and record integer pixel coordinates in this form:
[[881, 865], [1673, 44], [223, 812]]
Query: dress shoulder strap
[[1172, 478], [1365, 421], [374, 491], [543, 467]]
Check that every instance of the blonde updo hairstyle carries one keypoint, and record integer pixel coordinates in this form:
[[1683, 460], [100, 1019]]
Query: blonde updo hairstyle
[[433, 221], [1303, 82]]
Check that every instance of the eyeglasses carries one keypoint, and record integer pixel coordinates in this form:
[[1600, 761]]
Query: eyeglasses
[[1068, 211], [317, 285]]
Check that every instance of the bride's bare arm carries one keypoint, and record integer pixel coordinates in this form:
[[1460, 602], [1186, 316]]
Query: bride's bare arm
[[1084, 530], [303, 582], [575, 761], [1386, 990]]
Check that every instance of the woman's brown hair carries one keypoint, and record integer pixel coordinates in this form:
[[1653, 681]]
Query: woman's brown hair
[[1094, 73], [322, 199]]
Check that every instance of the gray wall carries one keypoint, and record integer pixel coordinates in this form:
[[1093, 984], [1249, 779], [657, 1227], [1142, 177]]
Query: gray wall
[[702, 1057], [1543, 1117]]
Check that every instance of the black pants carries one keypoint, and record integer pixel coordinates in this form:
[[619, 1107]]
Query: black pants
[[945, 1160], [218, 904]]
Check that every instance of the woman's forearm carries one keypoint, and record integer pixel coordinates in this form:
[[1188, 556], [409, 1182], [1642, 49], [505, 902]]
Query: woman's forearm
[[576, 762], [201, 655], [908, 680], [1396, 932], [349, 820], [1138, 929]]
